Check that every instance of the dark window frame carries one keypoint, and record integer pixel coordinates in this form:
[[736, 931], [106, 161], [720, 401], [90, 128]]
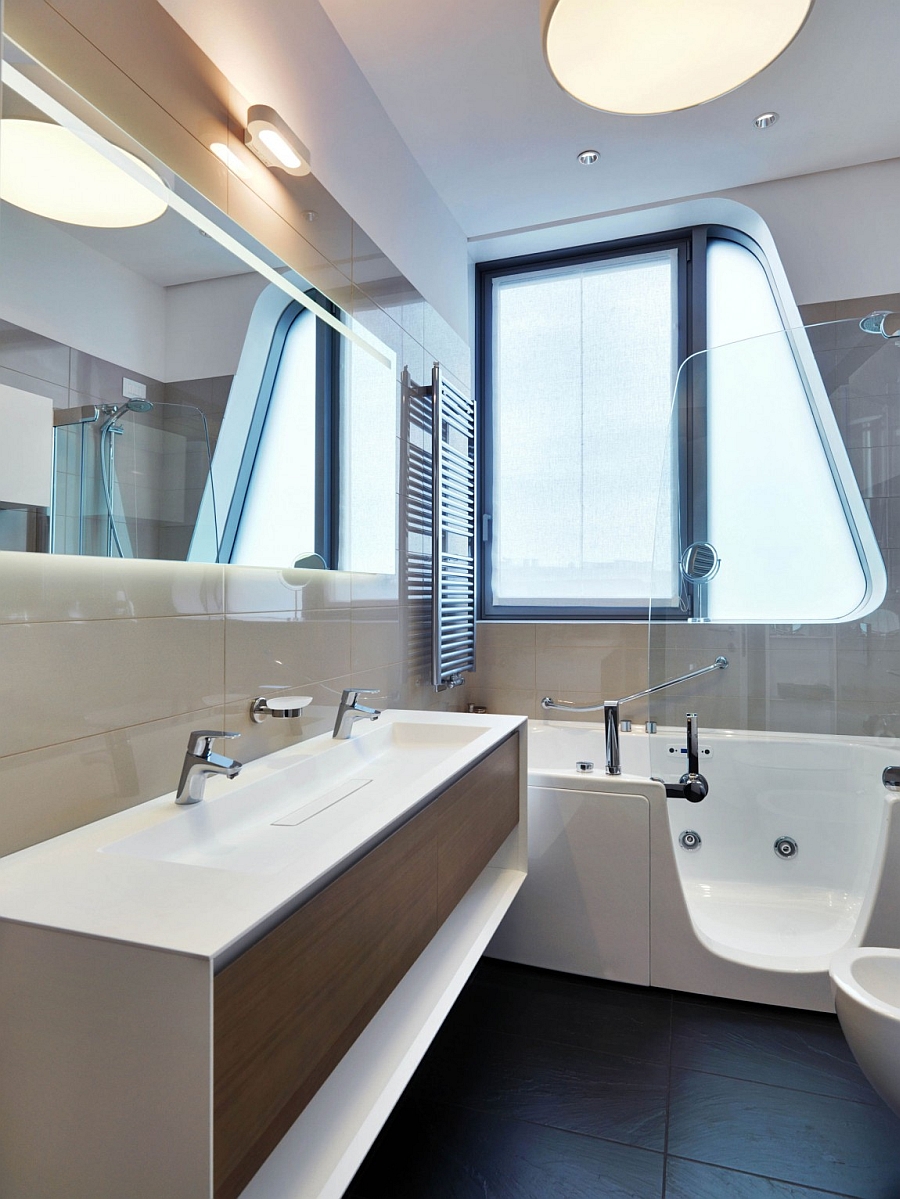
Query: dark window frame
[[690, 244], [328, 404]]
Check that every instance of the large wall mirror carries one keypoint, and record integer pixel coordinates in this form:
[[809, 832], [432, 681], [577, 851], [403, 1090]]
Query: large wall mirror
[[168, 388]]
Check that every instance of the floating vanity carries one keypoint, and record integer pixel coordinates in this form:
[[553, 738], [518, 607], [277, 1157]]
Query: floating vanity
[[228, 999]]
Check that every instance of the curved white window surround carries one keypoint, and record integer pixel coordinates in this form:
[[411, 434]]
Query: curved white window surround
[[774, 485], [784, 510], [278, 520], [260, 506]]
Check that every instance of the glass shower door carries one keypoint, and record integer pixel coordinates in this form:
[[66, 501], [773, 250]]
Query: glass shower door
[[129, 483], [775, 525]]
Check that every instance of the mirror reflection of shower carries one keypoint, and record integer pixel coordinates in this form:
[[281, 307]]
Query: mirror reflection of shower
[[109, 430], [128, 479]]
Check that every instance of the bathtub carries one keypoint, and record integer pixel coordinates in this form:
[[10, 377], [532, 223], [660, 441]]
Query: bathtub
[[615, 891]]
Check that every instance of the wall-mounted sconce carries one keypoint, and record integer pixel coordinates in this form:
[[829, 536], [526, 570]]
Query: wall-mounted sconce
[[274, 143], [231, 160], [285, 707]]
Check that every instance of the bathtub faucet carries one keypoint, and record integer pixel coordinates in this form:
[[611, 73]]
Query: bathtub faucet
[[611, 715], [692, 786]]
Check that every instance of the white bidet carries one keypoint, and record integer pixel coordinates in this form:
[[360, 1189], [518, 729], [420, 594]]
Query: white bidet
[[866, 986]]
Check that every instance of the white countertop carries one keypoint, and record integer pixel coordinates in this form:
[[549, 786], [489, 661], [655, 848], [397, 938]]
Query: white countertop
[[74, 884]]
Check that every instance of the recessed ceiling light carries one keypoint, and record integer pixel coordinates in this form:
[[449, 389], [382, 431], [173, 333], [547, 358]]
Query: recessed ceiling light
[[661, 56], [587, 158], [274, 142], [765, 119], [52, 172]]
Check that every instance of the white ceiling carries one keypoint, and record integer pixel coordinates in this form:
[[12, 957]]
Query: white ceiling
[[465, 83], [168, 251]]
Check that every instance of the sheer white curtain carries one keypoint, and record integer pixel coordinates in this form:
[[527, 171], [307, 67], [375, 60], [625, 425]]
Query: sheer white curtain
[[584, 362]]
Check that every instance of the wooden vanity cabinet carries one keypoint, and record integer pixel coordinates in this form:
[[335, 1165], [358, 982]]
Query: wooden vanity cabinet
[[288, 1009]]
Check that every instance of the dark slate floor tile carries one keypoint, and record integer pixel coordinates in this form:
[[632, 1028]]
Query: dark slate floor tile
[[436, 1152], [771, 1010], [794, 1136], [807, 1055], [605, 1017], [693, 1180], [544, 1082]]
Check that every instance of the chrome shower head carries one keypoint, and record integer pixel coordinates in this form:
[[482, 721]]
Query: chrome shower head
[[112, 412], [885, 323]]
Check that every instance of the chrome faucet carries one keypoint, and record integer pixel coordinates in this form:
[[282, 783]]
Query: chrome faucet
[[692, 786], [200, 762], [350, 710], [611, 709]]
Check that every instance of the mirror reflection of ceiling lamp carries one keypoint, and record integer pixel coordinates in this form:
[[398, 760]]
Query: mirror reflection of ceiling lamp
[[49, 170], [660, 56], [274, 143]]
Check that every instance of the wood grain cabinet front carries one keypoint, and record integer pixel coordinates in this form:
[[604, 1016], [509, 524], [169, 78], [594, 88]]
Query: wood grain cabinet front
[[288, 1009]]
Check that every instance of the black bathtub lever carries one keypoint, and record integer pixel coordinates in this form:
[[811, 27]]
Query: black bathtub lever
[[692, 786]]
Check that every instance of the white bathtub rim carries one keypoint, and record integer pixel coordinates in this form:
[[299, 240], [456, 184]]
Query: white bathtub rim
[[665, 732], [811, 967]]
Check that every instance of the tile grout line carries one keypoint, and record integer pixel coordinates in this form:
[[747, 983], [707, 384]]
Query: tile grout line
[[665, 1170], [696, 1161], [778, 1086]]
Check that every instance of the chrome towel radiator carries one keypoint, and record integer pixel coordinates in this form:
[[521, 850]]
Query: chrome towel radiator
[[453, 532]]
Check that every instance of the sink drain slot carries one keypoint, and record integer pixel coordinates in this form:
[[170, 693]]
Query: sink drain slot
[[786, 847], [314, 806], [690, 840]]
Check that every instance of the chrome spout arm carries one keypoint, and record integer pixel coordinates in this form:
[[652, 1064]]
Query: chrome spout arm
[[721, 663], [200, 762], [350, 710]]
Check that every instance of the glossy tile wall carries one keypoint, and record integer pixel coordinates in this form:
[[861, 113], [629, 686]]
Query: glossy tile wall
[[108, 664], [840, 678]]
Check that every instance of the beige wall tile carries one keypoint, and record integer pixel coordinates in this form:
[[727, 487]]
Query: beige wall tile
[[606, 671], [506, 655], [41, 587], [285, 651], [51, 790], [55, 392], [67, 680], [376, 638], [622, 634], [856, 309], [413, 356], [31, 354], [264, 589], [506, 701], [371, 591], [378, 322]]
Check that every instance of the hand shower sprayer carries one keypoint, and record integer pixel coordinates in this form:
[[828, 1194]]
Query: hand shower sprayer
[[108, 429], [879, 323]]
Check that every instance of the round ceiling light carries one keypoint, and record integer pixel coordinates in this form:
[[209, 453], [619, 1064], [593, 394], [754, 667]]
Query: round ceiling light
[[48, 170], [661, 56]]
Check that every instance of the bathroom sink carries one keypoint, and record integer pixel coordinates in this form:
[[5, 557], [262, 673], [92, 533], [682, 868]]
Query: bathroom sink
[[261, 821]]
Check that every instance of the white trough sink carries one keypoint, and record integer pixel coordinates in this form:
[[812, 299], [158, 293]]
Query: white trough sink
[[259, 822]]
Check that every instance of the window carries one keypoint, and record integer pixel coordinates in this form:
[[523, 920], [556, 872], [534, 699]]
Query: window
[[578, 362], [307, 456], [283, 476], [613, 440]]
